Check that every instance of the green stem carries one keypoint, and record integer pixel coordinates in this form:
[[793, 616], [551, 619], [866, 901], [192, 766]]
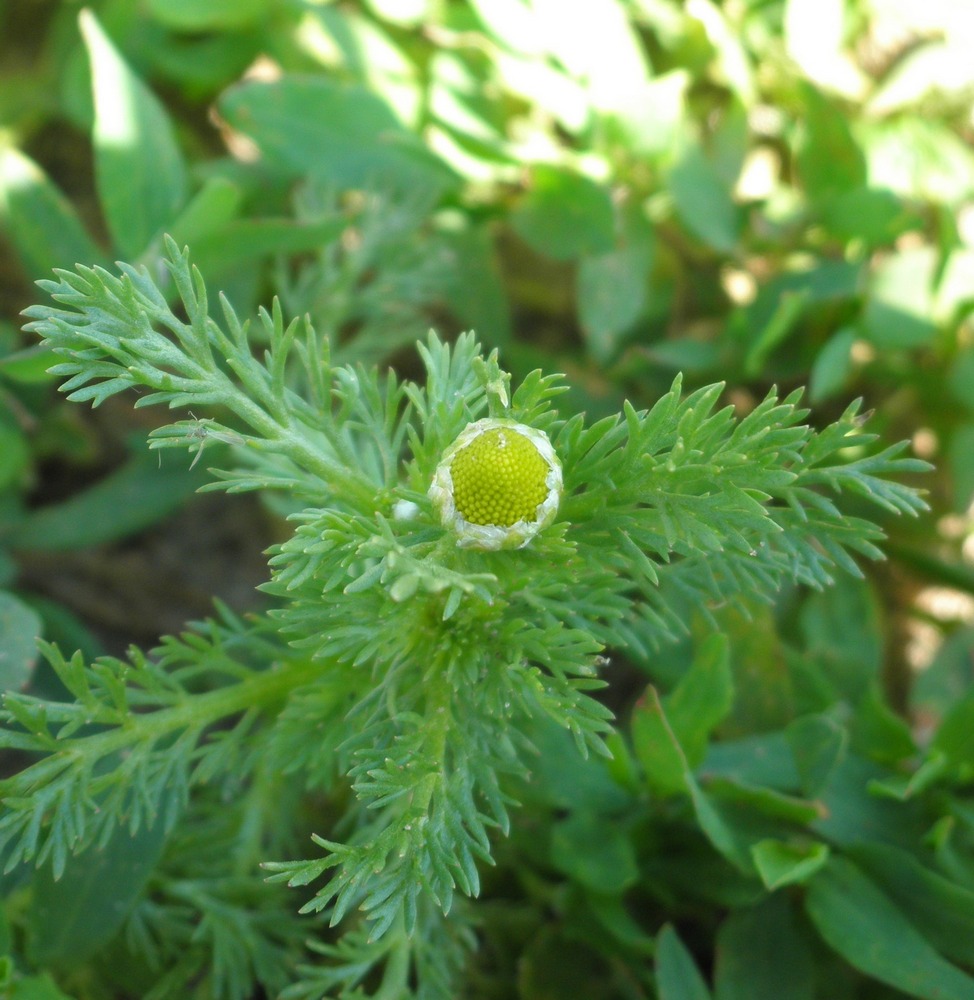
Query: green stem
[[197, 712]]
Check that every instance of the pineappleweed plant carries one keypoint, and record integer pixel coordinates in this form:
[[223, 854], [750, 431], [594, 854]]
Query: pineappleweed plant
[[463, 556]]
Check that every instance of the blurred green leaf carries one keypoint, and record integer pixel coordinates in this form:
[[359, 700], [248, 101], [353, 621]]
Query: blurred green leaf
[[899, 305], [947, 680], [206, 15], [833, 366], [961, 464], [878, 732], [313, 127], [955, 734], [656, 749], [75, 915], [136, 495], [668, 773], [611, 291], [861, 923], [28, 366], [243, 241], [138, 165], [594, 851], [702, 699], [39, 220], [20, 628], [852, 813], [843, 632], [35, 988], [703, 200], [874, 215], [829, 159], [781, 862], [564, 215], [942, 910], [779, 326], [818, 744], [677, 975], [761, 953], [210, 209], [474, 289], [14, 453]]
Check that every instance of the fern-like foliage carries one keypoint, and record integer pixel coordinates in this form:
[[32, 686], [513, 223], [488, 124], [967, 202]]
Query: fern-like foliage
[[398, 672]]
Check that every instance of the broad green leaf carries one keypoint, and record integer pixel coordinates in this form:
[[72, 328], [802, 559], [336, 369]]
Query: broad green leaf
[[35, 988], [207, 15], [14, 453], [781, 862], [39, 221], [960, 377], [766, 801], [854, 813], [243, 241], [702, 699], [656, 748], [75, 915], [762, 954], [315, 127], [830, 160], [28, 366], [474, 290], [862, 924], [211, 208], [935, 766], [562, 779], [594, 851], [948, 679], [833, 366], [942, 910], [875, 216], [762, 759], [136, 495], [677, 975], [900, 300], [818, 744], [703, 200], [565, 215], [20, 628], [611, 291], [878, 732], [843, 632], [138, 165], [955, 734], [961, 454], [790, 308], [667, 772]]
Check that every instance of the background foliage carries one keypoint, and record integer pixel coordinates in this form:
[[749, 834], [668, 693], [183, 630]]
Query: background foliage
[[771, 193]]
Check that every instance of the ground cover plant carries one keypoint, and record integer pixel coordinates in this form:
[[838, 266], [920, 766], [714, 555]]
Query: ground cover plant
[[650, 721]]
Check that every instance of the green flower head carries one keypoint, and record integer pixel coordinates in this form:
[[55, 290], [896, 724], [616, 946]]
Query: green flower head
[[497, 485]]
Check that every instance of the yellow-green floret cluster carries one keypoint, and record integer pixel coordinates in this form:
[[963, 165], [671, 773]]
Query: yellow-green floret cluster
[[499, 478], [497, 485]]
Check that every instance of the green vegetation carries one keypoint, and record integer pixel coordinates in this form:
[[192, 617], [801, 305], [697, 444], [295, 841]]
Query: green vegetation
[[707, 733]]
